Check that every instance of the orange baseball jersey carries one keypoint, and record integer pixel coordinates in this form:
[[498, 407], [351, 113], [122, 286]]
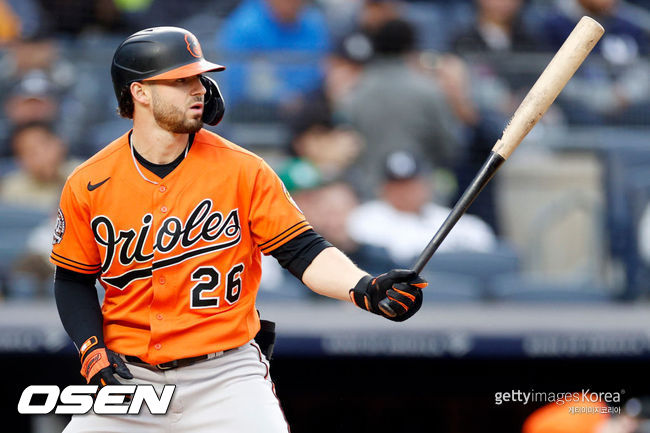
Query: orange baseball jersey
[[178, 257]]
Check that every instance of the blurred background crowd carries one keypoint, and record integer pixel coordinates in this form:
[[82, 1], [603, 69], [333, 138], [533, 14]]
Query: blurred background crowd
[[376, 114]]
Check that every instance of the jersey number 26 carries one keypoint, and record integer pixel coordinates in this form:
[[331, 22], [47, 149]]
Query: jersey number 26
[[209, 278]]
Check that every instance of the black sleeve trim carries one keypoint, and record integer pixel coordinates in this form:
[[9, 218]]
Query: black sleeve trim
[[78, 305], [271, 240], [66, 261], [68, 275], [267, 246], [298, 253]]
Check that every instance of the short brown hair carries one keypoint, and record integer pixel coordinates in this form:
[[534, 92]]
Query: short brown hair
[[125, 103]]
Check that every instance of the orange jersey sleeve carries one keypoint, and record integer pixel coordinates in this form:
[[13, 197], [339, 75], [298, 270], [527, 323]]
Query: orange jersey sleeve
[[74, 245], [275, 218]]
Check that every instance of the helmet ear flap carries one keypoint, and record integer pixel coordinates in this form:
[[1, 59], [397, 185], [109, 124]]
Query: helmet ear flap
[[213, 104]]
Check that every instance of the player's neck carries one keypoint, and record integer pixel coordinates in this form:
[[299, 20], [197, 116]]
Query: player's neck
[[158, 146]]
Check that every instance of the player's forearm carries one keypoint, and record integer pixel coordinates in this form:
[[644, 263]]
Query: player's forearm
[[332, 274], [78, 306]]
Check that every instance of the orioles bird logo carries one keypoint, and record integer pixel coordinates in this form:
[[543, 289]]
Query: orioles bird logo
[[193, 46], [59, 229]]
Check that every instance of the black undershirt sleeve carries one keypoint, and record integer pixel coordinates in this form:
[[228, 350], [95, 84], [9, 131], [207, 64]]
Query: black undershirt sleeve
[[78, 305], [297, 254]]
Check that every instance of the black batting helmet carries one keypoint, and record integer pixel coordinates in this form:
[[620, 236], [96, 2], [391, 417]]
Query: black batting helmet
[[165, 53]]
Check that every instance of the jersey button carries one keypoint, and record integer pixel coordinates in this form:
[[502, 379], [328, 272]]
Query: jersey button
[[163, 209], [162, 188], [159, 316], [158, 346], [162, 280]]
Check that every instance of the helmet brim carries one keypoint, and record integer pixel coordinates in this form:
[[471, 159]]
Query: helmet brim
[[188, 70]]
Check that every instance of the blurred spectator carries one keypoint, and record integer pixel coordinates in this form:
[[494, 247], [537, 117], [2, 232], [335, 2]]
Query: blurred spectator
[[328, 207], [395, 107], [487, 83], [44, 85], [31, 274], [341, 16], [624, 39], [41, 157], [34, 54], [498, 27], [500, 81], [19, 20], [318, 142], [9, 23], [375, 13], [482, 127], [274, 50], [346, 17], [345, 66], [406, 207], [616, 89], [350, 19], [30, 17], [32, 99]]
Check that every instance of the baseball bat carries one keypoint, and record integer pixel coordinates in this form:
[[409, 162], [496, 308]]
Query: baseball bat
[[550, 83]]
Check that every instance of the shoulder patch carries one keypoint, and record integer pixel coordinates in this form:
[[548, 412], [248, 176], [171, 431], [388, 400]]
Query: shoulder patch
[[291, 200], [59, 228]]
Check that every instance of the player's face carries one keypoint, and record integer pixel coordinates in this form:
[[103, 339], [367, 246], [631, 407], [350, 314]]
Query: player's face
[[177, 105]]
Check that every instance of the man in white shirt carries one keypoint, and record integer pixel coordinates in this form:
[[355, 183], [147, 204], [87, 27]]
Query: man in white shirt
[[405, 205]]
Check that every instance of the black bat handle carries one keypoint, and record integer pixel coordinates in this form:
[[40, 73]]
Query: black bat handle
[[491, 165]]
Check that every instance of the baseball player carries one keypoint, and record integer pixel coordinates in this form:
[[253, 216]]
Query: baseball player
[[171, 219]]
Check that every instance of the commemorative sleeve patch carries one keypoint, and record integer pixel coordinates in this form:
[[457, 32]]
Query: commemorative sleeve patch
[[288, 196], [59, 228]]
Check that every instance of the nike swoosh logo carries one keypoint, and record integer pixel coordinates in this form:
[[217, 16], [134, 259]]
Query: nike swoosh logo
[[92, 187]]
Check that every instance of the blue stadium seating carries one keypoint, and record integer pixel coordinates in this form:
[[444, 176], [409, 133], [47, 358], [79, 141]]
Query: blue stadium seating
[[523, 288], [16, 223], [472, 268]]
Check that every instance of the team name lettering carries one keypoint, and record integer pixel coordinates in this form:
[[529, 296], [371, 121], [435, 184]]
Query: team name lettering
[[128, 246]]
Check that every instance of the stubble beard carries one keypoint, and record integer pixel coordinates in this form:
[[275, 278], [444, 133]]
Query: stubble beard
[[172, 119]]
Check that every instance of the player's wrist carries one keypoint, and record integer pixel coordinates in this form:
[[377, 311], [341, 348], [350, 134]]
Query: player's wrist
[[93, 357], [93, 362], [359, 294], [90, 345]]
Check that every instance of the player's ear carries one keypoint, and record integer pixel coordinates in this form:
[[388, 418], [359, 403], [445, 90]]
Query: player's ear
[[140, 93]]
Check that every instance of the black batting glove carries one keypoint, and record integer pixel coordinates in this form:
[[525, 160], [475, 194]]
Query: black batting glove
[[396, 295], [99, 365]]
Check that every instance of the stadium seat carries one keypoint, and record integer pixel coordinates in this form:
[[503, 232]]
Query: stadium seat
[[524, 288], [16, 223], [445, 287], [480, 267], [637, 196], [7, 165]]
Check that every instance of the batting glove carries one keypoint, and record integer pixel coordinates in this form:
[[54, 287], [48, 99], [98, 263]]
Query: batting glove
[[396, 295], [100, 365]]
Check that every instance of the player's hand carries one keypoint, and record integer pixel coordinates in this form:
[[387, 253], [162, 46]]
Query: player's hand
[[396, 295], [100, 366]]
